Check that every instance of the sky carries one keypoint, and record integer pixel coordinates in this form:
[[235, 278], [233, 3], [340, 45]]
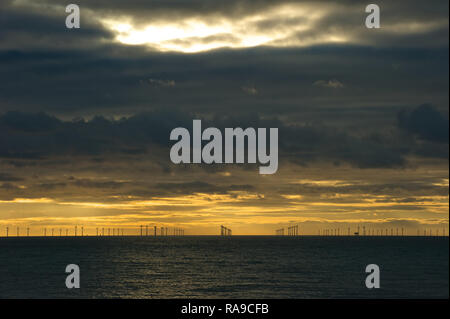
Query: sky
[[86, 114]]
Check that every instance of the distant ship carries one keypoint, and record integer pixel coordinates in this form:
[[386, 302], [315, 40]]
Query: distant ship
[[356, 234]]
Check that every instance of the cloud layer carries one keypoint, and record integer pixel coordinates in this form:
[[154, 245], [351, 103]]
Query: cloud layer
[[85, 114]]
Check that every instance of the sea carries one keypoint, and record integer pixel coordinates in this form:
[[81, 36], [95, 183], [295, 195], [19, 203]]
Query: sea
[[301, 267]]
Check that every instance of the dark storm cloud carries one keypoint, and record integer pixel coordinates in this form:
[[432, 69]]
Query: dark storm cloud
[[426, 122], [40, 136], [403, 23], [81, 83], [25, 26], [46, 67], [144, 11], [25, 135], [9, 187], [331, 102], [6, 177], [50, 186]]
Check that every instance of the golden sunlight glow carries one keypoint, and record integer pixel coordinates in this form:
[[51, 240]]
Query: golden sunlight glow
[[200, 34], [28, 201]]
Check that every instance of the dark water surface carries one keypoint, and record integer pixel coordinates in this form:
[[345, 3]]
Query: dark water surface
[[224, 267]]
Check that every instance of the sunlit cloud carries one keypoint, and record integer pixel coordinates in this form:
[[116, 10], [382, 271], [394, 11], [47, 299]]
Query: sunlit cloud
[[27, 201], [323, 182], [298, 197], [285, 25], [196, 34], [444, 182], [127, 182]]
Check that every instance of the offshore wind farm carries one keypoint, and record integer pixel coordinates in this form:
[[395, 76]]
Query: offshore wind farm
[[158, 261], [153, 230]]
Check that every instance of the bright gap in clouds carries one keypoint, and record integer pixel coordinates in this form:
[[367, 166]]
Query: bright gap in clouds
[[198, 34]]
